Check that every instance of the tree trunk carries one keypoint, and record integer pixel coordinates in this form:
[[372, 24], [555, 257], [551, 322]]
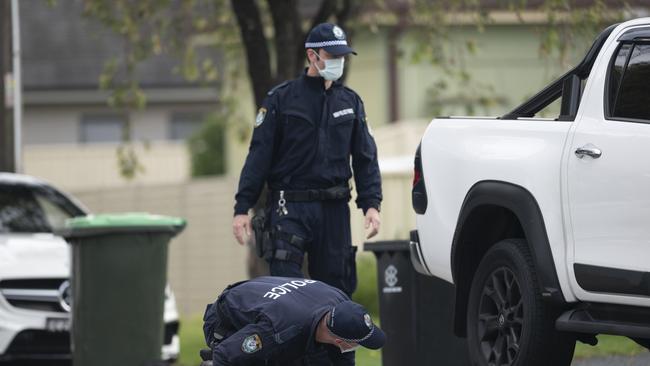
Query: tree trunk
[[257, 51], [288, 38]]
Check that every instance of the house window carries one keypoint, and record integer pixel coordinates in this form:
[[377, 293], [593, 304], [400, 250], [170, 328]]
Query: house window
[[184, 125], [102, 128]]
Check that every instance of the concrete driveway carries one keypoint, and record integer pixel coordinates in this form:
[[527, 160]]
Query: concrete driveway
[[642, 359]]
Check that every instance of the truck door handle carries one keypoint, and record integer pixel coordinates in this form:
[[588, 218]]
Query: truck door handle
[[589, 150]]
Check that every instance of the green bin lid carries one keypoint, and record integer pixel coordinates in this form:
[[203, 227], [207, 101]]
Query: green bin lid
[[122, 223]]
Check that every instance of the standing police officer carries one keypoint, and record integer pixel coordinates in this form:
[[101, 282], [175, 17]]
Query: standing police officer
[[305, 133], [279, 320]]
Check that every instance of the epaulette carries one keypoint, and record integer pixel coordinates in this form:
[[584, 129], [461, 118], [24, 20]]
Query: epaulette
[[356, 96], [351, 91], [275, 88]]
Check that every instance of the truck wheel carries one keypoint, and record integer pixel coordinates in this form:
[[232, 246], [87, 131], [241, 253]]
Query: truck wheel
[[508, 323]]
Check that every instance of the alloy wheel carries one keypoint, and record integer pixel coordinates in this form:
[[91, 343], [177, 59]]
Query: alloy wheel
[[501, 316]]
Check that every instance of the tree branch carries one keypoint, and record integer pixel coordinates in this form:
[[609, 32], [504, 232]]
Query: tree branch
[[257, 51]]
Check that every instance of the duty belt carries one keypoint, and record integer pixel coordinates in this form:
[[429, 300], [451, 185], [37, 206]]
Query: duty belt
[[334, 193]]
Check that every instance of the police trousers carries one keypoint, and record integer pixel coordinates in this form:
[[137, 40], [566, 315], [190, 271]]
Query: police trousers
[[324, 227]]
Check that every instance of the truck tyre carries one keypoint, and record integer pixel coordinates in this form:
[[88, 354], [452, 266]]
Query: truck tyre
[[508, 322]]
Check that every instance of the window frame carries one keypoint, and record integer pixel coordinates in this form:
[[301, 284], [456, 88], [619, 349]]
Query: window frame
[[88, 117], [606, 93]]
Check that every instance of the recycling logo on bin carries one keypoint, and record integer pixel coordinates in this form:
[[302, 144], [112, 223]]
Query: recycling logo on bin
[[390, 278]]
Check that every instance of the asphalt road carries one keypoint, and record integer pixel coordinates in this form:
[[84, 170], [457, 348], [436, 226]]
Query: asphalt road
[[642, 359]]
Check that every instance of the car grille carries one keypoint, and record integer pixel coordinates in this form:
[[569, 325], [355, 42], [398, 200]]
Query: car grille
[[37, 294], [31, 343], [39, 342], [35, 344]]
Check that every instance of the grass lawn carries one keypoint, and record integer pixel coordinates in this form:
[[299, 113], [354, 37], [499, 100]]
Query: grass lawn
[[608, 345], [191, 334]]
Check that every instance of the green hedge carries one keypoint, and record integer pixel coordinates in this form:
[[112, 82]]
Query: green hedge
[[366, 293]]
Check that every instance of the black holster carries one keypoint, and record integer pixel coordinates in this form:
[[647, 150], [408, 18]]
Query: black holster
[[261, 232]]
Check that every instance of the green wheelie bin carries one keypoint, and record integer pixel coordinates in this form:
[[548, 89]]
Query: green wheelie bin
[[119, 274]]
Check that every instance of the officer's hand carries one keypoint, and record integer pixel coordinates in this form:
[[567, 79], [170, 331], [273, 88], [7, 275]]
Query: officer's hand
[[241, 225], [372, 222]]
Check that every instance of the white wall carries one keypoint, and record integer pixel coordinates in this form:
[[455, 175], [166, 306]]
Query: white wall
[[93, 166]]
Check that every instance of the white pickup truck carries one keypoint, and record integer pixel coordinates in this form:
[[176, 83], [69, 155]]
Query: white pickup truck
[[543, 225]]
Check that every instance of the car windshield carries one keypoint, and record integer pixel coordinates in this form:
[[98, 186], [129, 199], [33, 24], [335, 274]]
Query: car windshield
[[33, 209]]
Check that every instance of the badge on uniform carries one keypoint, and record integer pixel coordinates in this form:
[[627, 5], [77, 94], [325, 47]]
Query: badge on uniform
[[261, 115], [251, 344]]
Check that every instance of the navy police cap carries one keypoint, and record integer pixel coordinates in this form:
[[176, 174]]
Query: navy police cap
[[350, 322], [329, 37]]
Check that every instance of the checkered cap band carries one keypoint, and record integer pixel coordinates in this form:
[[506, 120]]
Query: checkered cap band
[[352, 340], [326, 44]]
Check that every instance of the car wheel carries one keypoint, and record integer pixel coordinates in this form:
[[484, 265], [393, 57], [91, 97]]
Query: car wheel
[[508, 322]]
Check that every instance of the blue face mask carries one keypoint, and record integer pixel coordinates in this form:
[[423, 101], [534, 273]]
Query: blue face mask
[[333, 68]]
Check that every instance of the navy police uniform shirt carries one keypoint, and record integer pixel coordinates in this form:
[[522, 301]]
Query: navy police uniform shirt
[[304, 137], [274, 321]]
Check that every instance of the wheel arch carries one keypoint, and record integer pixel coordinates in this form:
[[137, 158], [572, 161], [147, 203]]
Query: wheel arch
[[493, 211]]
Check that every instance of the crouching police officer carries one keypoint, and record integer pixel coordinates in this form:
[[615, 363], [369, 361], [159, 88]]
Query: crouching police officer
[[279, 320], [305, 134]]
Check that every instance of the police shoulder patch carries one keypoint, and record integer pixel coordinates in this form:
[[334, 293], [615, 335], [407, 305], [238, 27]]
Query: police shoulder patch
[[251, 344], [261, 115]]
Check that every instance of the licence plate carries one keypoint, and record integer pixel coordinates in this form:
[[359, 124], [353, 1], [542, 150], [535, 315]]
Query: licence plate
[[57, 324]]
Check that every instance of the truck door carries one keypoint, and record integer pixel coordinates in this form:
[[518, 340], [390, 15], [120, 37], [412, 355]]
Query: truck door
[[608, 177]]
